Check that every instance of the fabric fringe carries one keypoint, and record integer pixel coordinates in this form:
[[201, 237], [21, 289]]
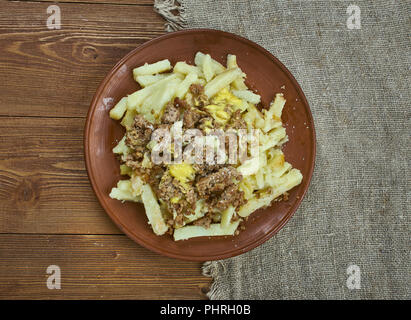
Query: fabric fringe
[[210, 269], [174, 12]]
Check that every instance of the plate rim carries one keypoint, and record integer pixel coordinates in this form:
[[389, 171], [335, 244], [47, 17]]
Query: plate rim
[[236, 251]]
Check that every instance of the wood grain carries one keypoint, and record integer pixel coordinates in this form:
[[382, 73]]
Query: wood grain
[[94, 267], [56, 72], [116, 2], [44, 186], [48, 211]]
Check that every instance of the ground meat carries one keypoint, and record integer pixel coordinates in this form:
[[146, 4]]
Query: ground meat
[[205, 169], [236, 121], [140, 132], [133, 164], [187, 202], [216, 182], [168, 189], [196, 89], [183, 207], [231, 196], [171, 114], [133, 159], [204, 222], [191, 196], [205, 123], [181, 104], [154, 176], [159, 127], [191, 117], [179, 220], [200, 99]]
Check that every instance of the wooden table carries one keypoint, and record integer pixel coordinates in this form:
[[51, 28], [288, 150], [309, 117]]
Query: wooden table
[[49, 214]]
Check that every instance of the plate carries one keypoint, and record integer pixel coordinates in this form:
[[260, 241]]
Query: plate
[[265, 73]]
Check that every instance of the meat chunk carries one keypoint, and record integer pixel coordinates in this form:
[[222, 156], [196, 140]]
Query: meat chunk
[[179, 220], [133, 160], [236, 121], [205, 169], [168, 189], [196, 89], [200, 99], [180, 200], [231, 196], [171, 114], [204, 222], [216, 182], [180, 104], [140, 132], [191, 118], [191, 196], [206, 124], [154, 176]]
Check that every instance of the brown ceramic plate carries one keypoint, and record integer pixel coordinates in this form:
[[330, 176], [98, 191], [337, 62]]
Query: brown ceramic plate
[[264, 73]]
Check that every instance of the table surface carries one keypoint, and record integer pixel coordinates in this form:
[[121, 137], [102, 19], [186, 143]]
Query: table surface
[[49, 213]]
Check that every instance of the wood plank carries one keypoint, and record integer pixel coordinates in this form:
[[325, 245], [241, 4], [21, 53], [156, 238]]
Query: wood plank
[[56, 72], [44, 186], [116, 2], [94, 267]]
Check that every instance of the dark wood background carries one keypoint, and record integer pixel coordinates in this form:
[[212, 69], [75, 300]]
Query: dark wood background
[[49, 214]]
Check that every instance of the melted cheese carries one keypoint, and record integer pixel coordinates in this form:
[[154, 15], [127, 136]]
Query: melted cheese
[[225, 97], [174, 199], [183, 172], [222, 101], [218, 113]]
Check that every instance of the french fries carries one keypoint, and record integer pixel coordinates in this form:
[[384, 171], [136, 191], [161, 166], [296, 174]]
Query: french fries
[[226, 216], [253, 117], [149, 69], [136, 184], [152, 106], [121, 147], [208, 70], [216, 66], [271, 139], [238, 83], [249, 167], [123, 192], [221, 81], [119, 109], [153, 211], [248, 96], [213, 230], [135, 99], [184, 68], [285, 183], [185, 85], [146, 80], [128, 118], [273, 115], [231, 61]]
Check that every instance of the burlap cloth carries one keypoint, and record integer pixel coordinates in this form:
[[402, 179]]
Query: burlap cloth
[[357, 208]]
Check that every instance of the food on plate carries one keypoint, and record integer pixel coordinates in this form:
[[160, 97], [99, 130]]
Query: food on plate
[[198, 150]]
